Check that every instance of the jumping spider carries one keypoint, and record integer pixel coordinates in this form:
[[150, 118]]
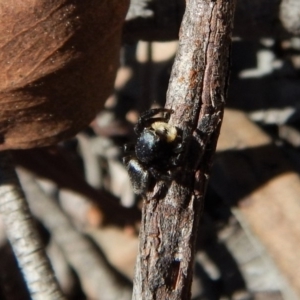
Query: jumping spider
[[157, 152]]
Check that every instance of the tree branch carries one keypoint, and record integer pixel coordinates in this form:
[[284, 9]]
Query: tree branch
[[24, 237], [197, 93], [98, 280]]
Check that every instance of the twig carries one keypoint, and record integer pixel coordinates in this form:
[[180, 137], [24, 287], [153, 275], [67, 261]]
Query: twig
[[92, 170], [197, 93], [12, 283], [24, 237], [98, 280]]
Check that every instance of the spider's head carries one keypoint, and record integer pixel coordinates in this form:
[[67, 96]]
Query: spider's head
[[155, 142], [165, 131]]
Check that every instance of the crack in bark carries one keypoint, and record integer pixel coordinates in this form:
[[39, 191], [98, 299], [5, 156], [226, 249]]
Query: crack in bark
[[196, 93]]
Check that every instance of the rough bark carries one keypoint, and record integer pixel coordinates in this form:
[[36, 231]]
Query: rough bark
[[197, 93], [23, 236]]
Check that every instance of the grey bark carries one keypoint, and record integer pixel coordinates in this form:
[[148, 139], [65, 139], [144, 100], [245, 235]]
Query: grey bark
[[23, 235], [197, 93]]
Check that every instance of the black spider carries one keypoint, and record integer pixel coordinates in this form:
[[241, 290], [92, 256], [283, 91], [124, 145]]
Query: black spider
[[157, 152]]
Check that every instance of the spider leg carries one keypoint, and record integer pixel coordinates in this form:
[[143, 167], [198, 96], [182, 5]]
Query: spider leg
[[146, 118], [160, 176], [175, 161], [128, 148], [180, 148], [159, 191], [154, 111], [126, 159], [162, 182]]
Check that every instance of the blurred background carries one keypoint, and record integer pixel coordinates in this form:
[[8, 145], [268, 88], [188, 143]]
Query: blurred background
[[81, 196]]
